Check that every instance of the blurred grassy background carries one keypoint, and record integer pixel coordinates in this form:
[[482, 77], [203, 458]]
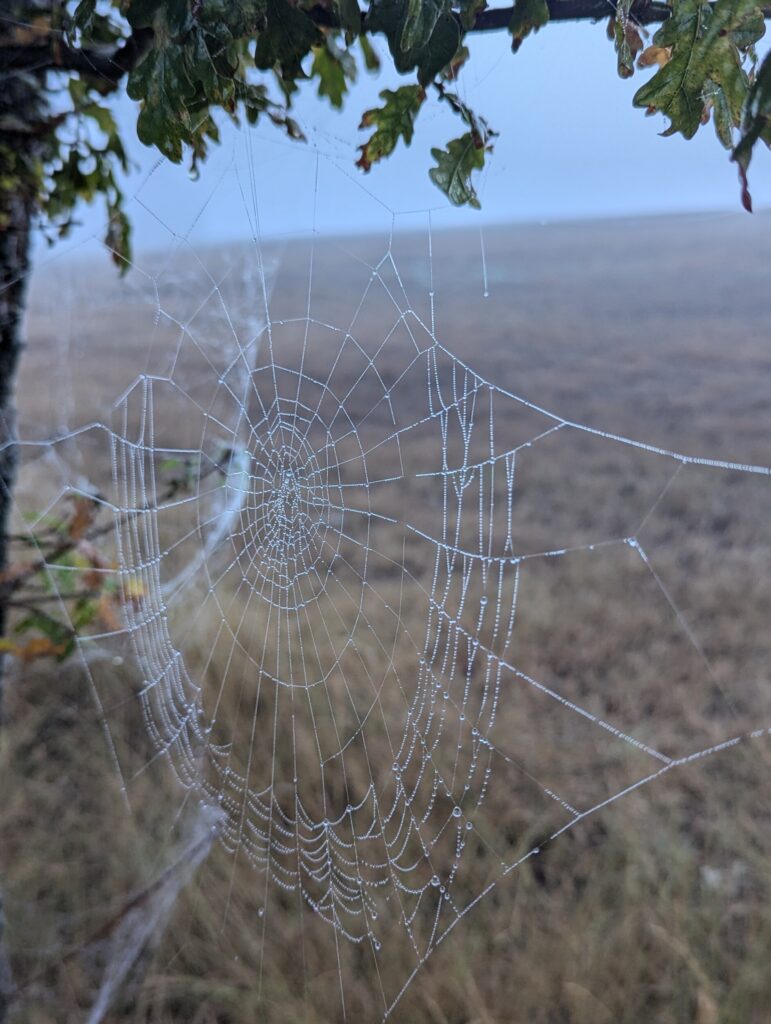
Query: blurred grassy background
[[655, 909]]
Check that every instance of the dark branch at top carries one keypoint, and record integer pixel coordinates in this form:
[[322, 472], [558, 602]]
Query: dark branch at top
[[644, 12], [493, 19], [110, 64]]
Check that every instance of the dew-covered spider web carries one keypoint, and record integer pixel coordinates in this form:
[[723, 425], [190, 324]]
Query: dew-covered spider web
[[369, 584]]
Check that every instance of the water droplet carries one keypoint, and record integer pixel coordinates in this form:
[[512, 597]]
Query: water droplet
[[435, 880], [456, 812]]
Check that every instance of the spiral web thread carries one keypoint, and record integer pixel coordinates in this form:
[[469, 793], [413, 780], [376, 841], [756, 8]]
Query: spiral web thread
[[344, 563]]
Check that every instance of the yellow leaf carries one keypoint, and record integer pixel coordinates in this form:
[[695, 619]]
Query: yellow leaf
[[133, 590], [39, 647]]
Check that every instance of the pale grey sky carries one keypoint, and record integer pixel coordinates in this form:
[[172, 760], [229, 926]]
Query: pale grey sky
[[570, 146]]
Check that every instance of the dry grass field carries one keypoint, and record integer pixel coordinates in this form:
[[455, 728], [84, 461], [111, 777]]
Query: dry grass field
[[654, 909]]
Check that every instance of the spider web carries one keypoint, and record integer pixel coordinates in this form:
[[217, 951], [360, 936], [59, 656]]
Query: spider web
[[327, 526]]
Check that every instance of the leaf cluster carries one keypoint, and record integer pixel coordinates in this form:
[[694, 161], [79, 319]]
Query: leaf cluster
[[60, 584], [707, 71], [186, 62]]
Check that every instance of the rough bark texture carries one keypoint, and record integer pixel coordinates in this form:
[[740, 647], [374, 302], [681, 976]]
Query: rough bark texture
[[14, 262], [22, 133], [22, 108], [14, 266]]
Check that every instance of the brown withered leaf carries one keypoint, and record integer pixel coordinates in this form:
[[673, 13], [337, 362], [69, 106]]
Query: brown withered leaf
[[16, 571], [109, 611], [654, 55], [83, 514], [634, 38], [94, 578], [30, 33]]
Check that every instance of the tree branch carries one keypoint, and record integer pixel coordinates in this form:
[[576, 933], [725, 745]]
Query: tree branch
[[109, 64], [643, 12]]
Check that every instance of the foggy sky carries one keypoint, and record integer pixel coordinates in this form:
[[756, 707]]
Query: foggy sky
[[570, 146]]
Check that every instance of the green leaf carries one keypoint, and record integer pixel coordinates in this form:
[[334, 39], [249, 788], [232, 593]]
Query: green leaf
[[715, 100], [287, 37], [102, 117], [167, 17], [83, 15], [468, 10], [751, 29], [371, 59], [160, 81], [348, 17], [756, 125], [705, 59], [84, 613], [478, 125], [229, 18], [528, 16], [393, 121], [332, 67], [118, 237], [423, 36], [46, 624], [439, 50], [419, 22], [454, 167]]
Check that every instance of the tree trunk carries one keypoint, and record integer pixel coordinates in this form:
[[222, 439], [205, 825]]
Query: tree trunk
[[15, 217], [25, 129], [14, 265], [22, 102]]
